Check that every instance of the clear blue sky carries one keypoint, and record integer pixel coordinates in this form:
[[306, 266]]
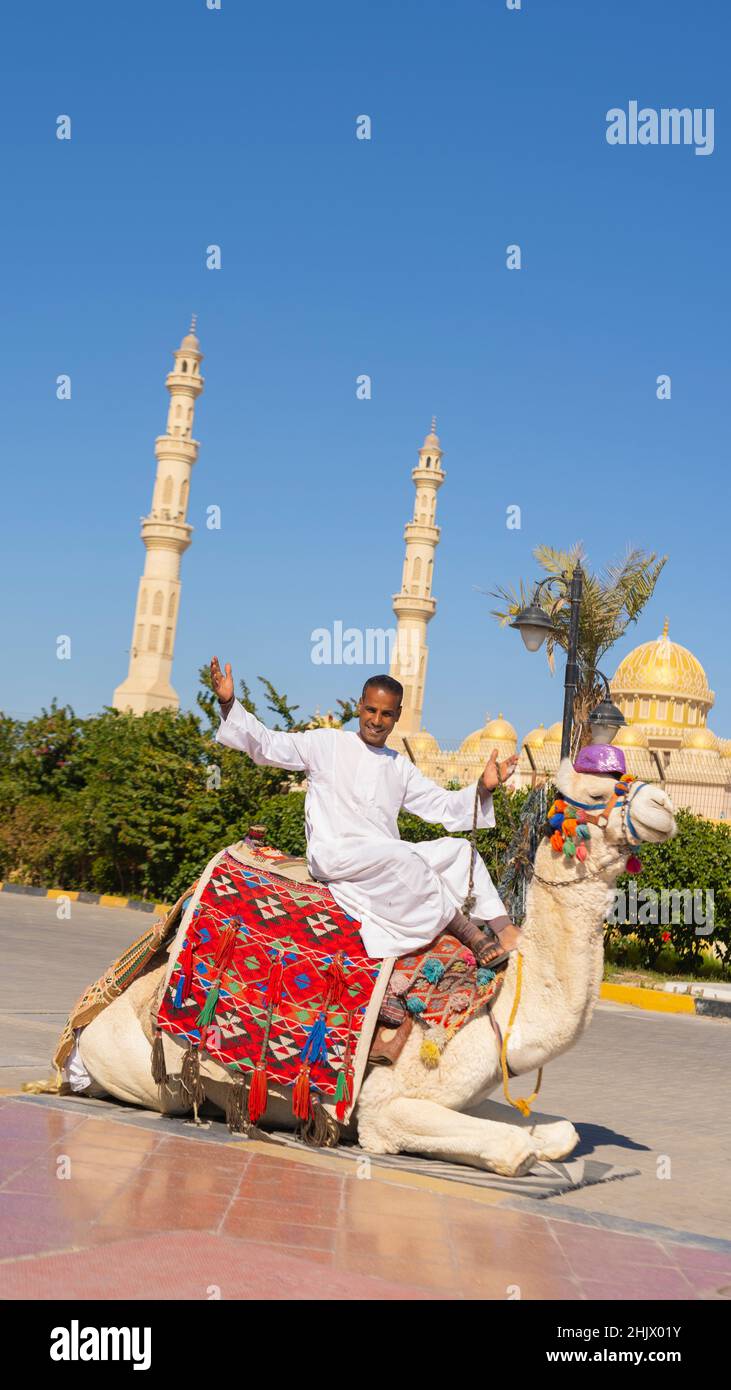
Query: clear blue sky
[[340, 257]]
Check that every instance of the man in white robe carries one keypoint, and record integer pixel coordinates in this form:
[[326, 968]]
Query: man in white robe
[[403, 894]]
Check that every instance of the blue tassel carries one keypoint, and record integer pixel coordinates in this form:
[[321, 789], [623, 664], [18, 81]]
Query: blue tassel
[[432, 970], [415, 1005], [556, 820], [484, 976], [315, 1044], [179, 993]]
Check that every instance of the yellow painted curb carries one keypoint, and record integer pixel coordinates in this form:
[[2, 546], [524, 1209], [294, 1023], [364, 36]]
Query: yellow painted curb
[[655, 1000], [109, 900], [164, 908], [63, 893]]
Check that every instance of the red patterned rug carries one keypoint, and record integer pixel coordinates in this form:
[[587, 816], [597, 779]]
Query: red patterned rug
[[272, 981]]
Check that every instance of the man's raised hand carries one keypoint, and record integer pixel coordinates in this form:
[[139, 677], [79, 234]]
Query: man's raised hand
[[497, 772], [222, 684]]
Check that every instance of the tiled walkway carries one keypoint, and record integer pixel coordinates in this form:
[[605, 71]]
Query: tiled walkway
[[94, 1208]]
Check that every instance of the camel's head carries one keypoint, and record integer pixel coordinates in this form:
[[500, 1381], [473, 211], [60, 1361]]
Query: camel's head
[[641, 813]]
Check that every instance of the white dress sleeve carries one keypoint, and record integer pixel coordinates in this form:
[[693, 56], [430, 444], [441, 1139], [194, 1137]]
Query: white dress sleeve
[[452, 809], [266, 747]]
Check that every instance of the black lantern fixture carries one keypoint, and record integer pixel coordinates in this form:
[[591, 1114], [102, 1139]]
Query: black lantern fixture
[[533, 624], [607, 719]]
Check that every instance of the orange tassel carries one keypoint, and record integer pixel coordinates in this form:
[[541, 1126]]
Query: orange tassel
[[557, 840], [335, 981], [301, 1099], [258, 1094], [569, 826], [225, 949]]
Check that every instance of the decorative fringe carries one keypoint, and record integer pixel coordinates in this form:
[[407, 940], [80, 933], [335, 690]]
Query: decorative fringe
[[335, 981], [315, 1048], [190, 1077], [157, 1061], [320, 1129], [208, 1012], [185, 966], [225, 949], [235, 1108], [301, 1099], [343, 1093], [274, 983], [258, 1094]]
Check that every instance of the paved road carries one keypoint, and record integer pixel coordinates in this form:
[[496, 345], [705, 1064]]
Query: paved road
[[641, 1088]]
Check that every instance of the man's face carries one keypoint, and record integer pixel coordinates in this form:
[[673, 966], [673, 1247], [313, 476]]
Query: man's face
[[378, 711]]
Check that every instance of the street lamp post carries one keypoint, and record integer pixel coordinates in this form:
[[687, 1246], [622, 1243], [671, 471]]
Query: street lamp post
[[534, 625]]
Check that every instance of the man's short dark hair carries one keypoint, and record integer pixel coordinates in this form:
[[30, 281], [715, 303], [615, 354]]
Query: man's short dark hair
[[394, 687]]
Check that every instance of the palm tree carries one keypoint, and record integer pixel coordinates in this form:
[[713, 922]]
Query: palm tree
[[611, 600]]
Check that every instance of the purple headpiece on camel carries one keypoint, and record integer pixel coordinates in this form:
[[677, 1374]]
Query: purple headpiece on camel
[[601, 757]]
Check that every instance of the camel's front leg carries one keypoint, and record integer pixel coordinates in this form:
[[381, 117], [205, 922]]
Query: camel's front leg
[[550, 1139], [407, 1125]]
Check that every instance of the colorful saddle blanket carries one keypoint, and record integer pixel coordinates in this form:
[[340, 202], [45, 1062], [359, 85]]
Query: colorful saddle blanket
[[273, 982]]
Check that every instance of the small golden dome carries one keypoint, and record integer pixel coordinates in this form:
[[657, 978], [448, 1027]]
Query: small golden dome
[[725, 748], [630, 736], [502, 729], [700, 740], [422, 743], [661, 667], [536, 738], [555, 733], [483, 740]]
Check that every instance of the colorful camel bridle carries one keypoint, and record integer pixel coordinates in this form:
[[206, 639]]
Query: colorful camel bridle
[[570, 832]]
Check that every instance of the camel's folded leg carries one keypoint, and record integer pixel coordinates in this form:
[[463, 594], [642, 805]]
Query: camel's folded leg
[[406, 1125], [551, 1139]]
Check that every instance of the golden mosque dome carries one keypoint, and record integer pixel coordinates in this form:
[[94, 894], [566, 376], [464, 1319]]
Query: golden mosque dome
[[537, 737], [700, 740], [555, 733], [494, 731], [662, 667], [630, 736]]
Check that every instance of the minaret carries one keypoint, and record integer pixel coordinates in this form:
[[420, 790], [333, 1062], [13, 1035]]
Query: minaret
[[414, 605], [166, 535]]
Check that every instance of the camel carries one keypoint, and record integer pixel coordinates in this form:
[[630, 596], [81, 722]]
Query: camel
[[408, 1108]]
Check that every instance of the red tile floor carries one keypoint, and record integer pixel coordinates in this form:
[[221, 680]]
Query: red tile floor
[[92, 1207]]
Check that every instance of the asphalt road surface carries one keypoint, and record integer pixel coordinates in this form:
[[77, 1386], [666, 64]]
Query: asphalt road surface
[[644, 1090]]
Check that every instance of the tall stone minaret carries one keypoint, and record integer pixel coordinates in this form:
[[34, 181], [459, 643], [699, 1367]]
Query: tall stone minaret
[[414, 605], [166, 535]]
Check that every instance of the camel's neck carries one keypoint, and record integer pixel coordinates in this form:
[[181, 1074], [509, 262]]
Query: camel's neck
[[562, 950]]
